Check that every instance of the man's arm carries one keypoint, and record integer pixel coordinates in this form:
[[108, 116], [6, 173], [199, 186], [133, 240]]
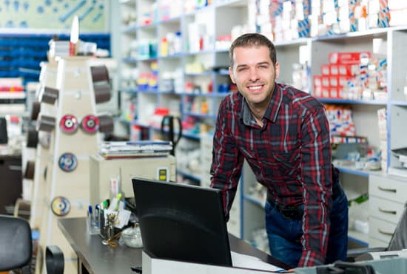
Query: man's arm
[[227, 162], [317, 183]]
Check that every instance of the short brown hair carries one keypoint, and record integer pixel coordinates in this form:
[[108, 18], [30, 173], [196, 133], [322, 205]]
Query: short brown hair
[[253, 39]]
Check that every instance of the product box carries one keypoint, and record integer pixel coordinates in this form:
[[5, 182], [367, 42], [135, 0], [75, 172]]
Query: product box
[[325, 69], [347, 69], [317, 80], [334, 69], [348, 58]]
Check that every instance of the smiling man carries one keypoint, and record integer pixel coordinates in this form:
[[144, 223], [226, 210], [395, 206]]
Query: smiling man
[[283, 134]]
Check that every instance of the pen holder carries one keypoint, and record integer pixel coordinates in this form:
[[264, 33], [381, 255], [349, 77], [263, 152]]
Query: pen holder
[[108, 232]]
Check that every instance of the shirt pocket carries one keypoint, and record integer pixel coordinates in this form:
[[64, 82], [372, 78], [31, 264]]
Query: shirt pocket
[[253, 160], [278, 165]]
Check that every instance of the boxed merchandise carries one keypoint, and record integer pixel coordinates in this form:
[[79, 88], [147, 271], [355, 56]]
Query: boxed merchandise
[[348, 58]]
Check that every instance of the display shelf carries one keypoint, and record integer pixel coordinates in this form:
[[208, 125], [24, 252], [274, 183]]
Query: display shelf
[[255, 200], [354, 171], [359, 238], [24, 50], [189, 174], [203, 63], [352, 102]]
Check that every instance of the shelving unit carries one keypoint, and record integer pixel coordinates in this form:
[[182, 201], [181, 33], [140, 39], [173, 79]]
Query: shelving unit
[[191, 82], [175, 57]]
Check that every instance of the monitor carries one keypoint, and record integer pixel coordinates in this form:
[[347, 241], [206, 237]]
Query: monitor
[[3, 131], [182, 222]]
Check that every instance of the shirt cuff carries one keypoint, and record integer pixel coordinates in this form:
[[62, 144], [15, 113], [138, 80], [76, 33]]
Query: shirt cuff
[[310, 258]]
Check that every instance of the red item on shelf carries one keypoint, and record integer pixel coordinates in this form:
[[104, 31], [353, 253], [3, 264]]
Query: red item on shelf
[[348, 58]]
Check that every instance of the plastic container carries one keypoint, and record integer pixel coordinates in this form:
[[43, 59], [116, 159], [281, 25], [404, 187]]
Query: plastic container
[[132, 237]]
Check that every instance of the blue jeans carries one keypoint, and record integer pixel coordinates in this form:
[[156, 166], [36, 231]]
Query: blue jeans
[[284, 234]]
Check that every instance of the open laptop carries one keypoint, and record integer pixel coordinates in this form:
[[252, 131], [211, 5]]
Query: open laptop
[[182, 222]]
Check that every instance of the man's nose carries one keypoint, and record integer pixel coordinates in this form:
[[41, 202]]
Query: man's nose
[[253, 74]]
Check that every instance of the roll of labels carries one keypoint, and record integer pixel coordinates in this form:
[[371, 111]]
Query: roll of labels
[[69, 124], [60, 206], [68, 162]]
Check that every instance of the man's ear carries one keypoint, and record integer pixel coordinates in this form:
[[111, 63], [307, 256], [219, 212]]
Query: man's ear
[[231, 75], [277, 69]]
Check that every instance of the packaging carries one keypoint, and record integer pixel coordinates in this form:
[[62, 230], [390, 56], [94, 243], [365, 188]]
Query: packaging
[[348, 58]]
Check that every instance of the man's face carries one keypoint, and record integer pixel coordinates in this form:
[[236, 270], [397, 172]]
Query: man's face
[[254, 74]]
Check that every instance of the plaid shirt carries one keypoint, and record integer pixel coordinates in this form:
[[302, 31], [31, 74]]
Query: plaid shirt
[[290, 155]]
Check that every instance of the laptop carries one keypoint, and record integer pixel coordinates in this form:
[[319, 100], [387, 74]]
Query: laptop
[[182, 222]]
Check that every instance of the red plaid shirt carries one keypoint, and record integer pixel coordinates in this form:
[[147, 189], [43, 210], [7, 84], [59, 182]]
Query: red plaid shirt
[[290, 155]]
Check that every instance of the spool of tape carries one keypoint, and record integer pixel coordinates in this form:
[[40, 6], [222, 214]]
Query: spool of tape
[[45, 123], [60, 206], [68, 162], [106, 124], [44, 139], [68, 124], [49, 95], [90, 124], [35, 110], [29, 170], [102, 92], [32, 138], [99, 74]]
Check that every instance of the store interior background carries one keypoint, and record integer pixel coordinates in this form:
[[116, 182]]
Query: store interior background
[[171, 58]]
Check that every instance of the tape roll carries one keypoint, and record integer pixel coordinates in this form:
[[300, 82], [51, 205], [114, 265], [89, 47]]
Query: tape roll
[[29, 170], [45, 123], [69, 124], [68, 162], [35, 110], [32, 138], [60, 206], [102, 92], [106, 124], [99, 74], [44, 139], [49, 95], [90, 124], [54, 260]]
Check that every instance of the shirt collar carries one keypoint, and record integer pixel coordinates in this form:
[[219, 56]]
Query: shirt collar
[[271, 111]]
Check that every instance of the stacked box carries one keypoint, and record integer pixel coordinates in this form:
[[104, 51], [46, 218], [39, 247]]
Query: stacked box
[[340, 121], [397, 13], [291, 19], [352, 75], [382, 122]]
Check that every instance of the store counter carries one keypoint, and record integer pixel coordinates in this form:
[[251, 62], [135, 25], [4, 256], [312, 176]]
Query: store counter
[[94, 257]]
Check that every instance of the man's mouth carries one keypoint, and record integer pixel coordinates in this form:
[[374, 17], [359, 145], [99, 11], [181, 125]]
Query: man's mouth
[[255, 88]]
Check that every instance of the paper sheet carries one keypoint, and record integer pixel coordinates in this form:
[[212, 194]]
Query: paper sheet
[[251, 262]]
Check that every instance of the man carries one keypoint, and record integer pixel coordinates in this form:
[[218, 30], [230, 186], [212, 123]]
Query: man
[[283, 134]]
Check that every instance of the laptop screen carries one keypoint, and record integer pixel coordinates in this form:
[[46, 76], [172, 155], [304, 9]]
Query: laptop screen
[[182, 222]]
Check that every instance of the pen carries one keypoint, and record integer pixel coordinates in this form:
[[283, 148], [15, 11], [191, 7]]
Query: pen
[[97, 212], [118, 197], [90, 217]]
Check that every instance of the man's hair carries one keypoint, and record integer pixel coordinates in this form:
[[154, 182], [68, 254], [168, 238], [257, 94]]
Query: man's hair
[[250, 40]]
